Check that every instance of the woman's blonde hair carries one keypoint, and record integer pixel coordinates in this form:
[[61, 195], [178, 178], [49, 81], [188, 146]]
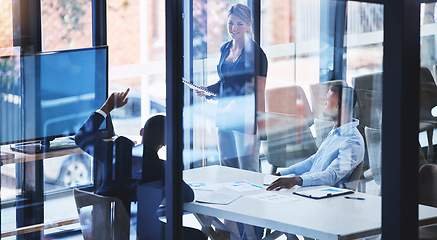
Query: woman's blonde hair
[[243, 12]]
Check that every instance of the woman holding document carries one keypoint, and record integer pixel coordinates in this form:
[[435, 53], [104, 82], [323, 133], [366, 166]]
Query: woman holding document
[[242, 70]]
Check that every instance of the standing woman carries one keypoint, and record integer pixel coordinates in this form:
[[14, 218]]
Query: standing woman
[[242, 62]]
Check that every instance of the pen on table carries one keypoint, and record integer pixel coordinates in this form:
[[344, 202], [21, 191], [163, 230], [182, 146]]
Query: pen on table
[[356, 198]]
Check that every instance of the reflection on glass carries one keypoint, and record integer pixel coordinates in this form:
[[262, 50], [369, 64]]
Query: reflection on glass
[[428, 121], [303, 133], [69, 171], [364, 72], [66, 25], [6, 29], [241, 63]]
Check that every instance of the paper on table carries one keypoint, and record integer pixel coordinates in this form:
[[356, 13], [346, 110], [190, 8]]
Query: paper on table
[[205, 186], [242, 186], [323, 192], [217, 197], [273, 197]]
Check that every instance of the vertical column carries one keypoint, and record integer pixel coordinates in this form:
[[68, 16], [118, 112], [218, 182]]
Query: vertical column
[[27, 35], [26, 16], [173, 124], [99, 23], [400, 121]]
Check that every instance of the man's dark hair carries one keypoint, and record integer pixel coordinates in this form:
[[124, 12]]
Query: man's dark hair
[[154, 131], [339, 89]]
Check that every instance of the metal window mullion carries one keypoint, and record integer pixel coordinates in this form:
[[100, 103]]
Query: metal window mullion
[[99, 23], [173, 122], [400, 121]]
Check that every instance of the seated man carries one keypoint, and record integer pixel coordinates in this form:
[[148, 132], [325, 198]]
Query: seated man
[[338, 155], [152, 167], [103, 151]]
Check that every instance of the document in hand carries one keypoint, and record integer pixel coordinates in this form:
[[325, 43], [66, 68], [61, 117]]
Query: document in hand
[[195, 87], [323, 192]]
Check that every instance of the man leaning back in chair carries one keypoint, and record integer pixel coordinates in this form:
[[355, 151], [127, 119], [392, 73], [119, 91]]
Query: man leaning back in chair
[[338, 155]]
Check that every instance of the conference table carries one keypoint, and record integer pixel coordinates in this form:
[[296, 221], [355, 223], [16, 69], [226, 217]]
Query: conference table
[[335, 217]]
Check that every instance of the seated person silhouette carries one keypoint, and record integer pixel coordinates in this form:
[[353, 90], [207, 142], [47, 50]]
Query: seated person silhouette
[[116, 180], [152, 184], [153, 169], [338, 155]]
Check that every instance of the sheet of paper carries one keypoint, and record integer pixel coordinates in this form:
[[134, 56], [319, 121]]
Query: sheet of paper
[[273, 197], [204, 186], [242, 186], [216, 197]]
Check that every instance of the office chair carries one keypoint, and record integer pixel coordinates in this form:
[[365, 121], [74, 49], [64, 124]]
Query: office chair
[[354, 179], [101, 217], [150, 196], [114, 175], [428, 100], [434, 71], [149, 227], [373, 142], [288, 117], [428, 196], [372, 81], [289, 140], [369, 105], [290, 100], [368, 111]]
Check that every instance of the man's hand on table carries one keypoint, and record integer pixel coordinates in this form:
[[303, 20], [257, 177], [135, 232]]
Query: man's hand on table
[[284, 182]]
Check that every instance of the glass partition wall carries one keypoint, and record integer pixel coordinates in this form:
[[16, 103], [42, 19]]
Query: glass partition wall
[[274, 67], [278, 116], [427, 115], [135, 61]]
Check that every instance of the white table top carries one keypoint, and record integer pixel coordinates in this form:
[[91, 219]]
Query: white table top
[[330, 218]]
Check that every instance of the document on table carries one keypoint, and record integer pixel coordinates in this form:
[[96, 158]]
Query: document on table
[[273, 197], [216, 197], [242, 186], [204, 186], [323, 192]]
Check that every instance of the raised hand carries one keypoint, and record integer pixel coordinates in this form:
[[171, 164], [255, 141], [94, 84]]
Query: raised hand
[[115, 100]]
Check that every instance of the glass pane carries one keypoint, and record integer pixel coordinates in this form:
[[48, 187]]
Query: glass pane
[[427, 117], [6, 39], [11, 173], [136, 36], [136, 61], [316, 53], [66, 24], [364, 51]]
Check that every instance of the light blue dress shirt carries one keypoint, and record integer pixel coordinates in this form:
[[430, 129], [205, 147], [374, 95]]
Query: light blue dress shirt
[[337, 157]]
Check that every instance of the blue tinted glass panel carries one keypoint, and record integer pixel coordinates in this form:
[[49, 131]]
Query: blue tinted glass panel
[[60, 90]]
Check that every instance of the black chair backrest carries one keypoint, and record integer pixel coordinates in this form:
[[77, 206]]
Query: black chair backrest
[[428, 185], [117, 168], [150, 196]]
